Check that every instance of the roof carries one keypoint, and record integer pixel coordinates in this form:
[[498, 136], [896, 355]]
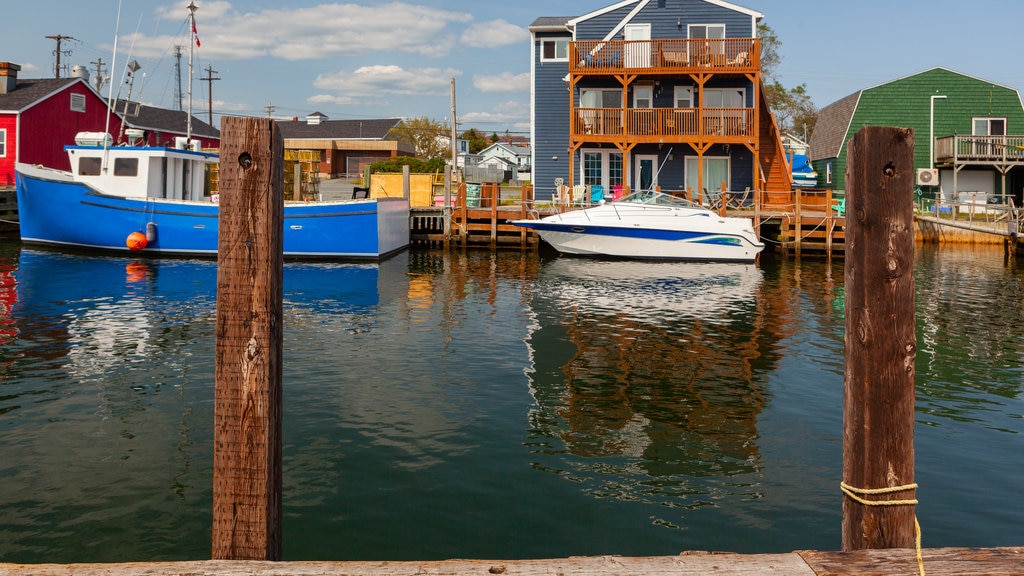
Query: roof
[[374, 129], [831, 126], [156, 119], [551, 24], [30, 91]]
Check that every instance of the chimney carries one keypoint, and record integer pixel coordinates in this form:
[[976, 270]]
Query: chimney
[[8, 77]]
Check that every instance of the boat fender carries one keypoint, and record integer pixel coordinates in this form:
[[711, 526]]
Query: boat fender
[[150, 232], [136, 241]]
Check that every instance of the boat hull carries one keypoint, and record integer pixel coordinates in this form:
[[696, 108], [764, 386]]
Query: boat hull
[[55, 210], [645, 243]]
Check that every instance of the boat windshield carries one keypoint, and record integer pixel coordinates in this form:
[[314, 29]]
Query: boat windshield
[[658, 198]]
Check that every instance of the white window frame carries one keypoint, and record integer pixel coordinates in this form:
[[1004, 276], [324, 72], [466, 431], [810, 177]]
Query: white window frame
[[605, 154], [680, 90], [690, 163], [559, 43], [77, 102], [648, 95], [691, 30], [723, 91], [3, 142], [988, 120]]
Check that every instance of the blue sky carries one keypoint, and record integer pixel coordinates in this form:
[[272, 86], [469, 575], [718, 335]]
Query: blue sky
[[369, 59]]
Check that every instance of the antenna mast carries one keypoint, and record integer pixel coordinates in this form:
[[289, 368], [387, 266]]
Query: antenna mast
[[177, 73], [191, 48]]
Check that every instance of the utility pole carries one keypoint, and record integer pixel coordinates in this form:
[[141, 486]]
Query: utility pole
[[59, 38], [209, 91], [99, 73], [177, 73], [270, 111]]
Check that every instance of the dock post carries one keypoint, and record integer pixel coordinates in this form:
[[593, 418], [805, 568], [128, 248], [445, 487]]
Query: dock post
[[247, 399], [880, 342]]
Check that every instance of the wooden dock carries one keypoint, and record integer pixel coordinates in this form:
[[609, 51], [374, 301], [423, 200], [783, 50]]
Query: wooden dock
[[883, 562]]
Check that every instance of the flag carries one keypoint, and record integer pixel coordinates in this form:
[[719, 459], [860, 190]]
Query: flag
[[195, 34]]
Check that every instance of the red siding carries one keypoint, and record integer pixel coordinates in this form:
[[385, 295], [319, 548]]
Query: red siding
[[50, 125], [8, 122]]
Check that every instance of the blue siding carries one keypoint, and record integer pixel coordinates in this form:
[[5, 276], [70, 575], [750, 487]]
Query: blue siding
[[551, 121], [551, 113]]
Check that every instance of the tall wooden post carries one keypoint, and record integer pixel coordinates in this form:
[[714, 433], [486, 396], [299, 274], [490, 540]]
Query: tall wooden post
[[878, 415], [247, 410]]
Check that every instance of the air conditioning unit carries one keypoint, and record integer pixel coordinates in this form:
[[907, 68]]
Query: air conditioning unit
[[927, 177]]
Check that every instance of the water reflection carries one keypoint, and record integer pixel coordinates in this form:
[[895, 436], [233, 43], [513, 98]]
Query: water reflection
[[644, 371]]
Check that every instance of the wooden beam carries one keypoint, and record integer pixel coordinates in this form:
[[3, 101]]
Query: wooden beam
[[880, 342], [247, 405], [893, 562]]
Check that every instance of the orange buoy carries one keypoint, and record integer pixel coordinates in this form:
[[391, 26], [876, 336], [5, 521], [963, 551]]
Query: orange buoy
[[136, 241]]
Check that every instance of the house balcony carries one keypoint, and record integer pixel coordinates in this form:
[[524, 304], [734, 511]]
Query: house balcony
[[990, 150], [663, 124], [665, 57]]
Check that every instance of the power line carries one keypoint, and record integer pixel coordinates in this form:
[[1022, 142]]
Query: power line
[[209, 90], [59, 38]]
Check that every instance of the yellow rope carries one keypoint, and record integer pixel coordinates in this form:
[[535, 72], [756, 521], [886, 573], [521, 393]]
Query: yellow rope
[[854, 494]]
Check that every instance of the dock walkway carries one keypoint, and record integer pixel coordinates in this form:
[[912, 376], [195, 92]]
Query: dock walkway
[[887, 562]]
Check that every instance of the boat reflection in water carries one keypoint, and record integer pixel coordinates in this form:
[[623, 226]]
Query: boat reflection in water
[[132, 310], [628, 379]]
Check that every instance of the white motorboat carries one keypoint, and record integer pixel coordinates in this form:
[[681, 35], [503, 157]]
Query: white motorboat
[[649, 225]]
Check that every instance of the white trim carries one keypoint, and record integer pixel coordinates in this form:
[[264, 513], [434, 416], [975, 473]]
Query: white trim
[[555, 40], [3, 142]]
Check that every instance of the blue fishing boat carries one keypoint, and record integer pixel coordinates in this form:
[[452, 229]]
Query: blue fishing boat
[[152, 200]]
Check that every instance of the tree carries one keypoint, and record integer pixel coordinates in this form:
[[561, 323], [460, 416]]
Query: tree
[[793, 107], [477, 142], [429, 137]]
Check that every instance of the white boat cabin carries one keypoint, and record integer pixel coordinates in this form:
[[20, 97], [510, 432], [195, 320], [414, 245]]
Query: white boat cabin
[[139, 171]]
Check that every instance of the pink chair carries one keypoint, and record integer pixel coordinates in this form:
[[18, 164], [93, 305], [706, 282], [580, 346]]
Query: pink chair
[[616, 192]]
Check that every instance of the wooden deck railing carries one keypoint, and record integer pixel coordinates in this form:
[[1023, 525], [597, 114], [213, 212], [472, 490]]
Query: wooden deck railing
[[966, 148], [676, 55], [664, 122]]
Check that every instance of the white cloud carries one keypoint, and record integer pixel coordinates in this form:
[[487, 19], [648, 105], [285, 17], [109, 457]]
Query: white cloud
[[372, 83], [494, 34], [508, 112], [323, 31], [504, 82]]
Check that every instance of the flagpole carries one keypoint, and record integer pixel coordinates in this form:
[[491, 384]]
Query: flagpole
[[191, 47]]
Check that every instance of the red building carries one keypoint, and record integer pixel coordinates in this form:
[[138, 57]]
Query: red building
[[39, 117]]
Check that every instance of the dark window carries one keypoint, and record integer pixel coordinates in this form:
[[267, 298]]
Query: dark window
[[89, 166], [126, 166]]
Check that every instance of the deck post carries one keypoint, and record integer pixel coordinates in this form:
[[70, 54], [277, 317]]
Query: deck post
[[247, 399], [880, 342]]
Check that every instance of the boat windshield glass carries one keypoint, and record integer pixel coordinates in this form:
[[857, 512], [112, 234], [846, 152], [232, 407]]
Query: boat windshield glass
[[659, 198]]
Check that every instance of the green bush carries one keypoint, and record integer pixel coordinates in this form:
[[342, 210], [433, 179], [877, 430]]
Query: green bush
[[416, 165]]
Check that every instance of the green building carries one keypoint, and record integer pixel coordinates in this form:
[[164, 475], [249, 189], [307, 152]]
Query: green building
[[964, 130]]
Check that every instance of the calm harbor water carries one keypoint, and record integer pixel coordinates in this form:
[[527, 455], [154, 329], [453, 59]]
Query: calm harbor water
[[478, 405]]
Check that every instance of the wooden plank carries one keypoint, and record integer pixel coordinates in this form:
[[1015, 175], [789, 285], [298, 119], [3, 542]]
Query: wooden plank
[[880, 341], [903, 562], [247, 406], [684, 565], [885, 562]]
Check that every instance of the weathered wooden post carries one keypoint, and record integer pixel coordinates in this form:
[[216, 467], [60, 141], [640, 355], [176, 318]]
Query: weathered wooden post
[[878, 415], [247, 411]]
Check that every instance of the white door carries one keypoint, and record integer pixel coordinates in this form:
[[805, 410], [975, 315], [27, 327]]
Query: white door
[[638, 45]]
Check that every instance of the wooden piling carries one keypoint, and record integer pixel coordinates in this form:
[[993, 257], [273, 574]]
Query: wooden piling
[[247, 410], [878, 415]]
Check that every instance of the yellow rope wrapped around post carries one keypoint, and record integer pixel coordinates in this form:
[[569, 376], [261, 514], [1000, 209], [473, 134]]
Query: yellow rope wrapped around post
[[855, 494]]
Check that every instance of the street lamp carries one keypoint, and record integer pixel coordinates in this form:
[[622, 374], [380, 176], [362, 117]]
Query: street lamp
[[931, 129]]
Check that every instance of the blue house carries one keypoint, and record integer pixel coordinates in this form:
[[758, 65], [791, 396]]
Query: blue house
[[653, 93]]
